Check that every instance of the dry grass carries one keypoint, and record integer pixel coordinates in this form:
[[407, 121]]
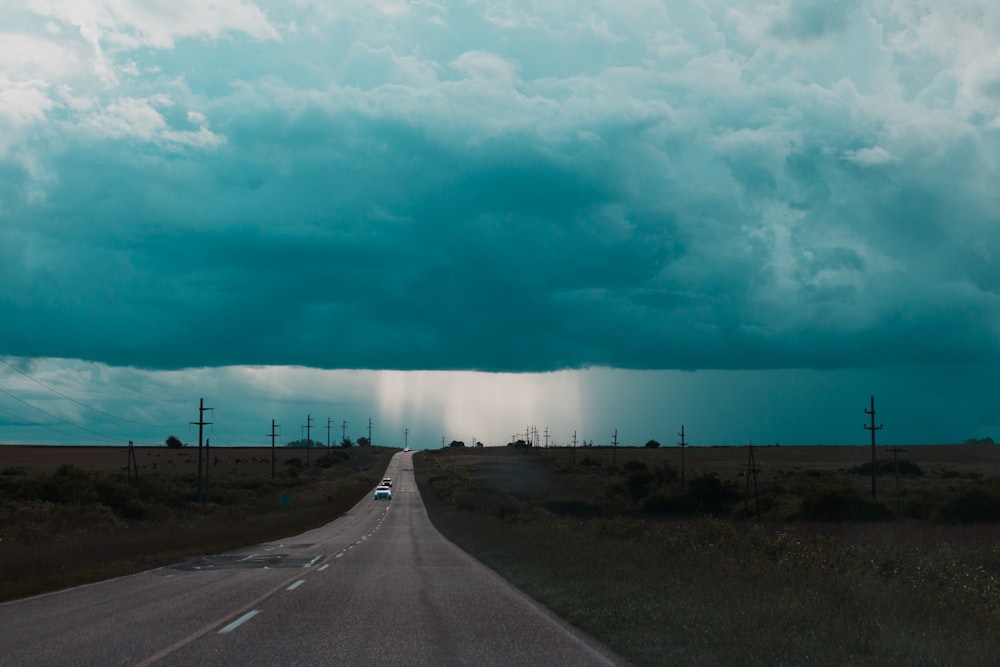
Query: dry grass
[[701, 590], [71, 515]]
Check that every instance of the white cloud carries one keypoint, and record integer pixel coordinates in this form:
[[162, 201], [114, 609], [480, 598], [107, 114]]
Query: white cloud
[[872, 156], [141, 119]]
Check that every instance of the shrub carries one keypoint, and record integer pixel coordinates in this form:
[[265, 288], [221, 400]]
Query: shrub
[[887, 467], [839, 504], [571, 507], [639, 483], [975, 505], [663, 503], [709, 492]]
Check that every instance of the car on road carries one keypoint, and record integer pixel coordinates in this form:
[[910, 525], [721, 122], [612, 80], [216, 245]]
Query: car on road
[[383, 493], [386, 481]]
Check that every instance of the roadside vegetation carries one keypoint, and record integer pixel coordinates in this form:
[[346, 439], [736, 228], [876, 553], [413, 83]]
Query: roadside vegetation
[[693, 574], [87, 520]]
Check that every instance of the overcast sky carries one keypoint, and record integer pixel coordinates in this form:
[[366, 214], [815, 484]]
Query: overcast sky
[[467, 218]]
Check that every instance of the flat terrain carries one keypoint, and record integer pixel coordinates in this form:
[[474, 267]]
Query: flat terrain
[[377, 586], [48, 458], [693, 574]]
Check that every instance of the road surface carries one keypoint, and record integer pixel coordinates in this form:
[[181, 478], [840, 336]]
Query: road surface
[[379, 586]]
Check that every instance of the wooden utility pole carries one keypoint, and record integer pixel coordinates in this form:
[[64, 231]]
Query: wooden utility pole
[[132, 463], [614, 449], [273, 454], [872, 428], [574, 447], [201, 424], [343, 433], [309, 442], [370, 443], [328, 422]]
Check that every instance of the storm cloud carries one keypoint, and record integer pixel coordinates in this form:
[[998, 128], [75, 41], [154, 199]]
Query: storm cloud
[[523, 186]]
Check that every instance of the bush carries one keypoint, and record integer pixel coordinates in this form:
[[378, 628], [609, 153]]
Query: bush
[[571, 508], [840, 504], [639, 483], [975, 505], [887, 467], [709, 492], [662, 503]]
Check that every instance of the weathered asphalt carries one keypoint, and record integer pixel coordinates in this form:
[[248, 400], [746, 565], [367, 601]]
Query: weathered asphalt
[[378, 586]]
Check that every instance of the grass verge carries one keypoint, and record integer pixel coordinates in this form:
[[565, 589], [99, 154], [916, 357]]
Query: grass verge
[[704, 590], [75, 526]]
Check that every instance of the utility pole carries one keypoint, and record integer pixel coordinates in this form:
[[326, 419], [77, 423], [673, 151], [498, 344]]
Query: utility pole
[[343, 433], [406, 437], [614, 448], [574, 447], [201, 424], [370, 443], [132, 463], [546, 437], [683, 445], [328, 422], [309, 442], [872, 428], [273, 454]]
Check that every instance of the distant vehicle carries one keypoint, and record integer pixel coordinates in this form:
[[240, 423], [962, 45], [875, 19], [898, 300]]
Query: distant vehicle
[[383, 493], [386, 481], [406, 449]]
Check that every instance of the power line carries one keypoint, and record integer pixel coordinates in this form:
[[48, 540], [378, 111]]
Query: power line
[[73, 400], [58, 419]]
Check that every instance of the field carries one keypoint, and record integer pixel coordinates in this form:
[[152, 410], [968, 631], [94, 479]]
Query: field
[[669, 574], [69, 515], [790, 563]]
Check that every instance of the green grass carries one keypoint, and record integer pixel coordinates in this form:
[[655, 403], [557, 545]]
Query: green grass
[[698, 589], [75, 525]]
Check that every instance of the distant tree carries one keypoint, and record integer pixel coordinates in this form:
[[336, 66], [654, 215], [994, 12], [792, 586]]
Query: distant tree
[[173, 442], [363, 442], [347, 442], [304, 443], [519, 443], [457, 443], [652, 443], [479, 444]]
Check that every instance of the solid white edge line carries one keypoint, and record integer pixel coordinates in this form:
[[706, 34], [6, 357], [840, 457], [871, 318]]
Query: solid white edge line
[[296, 585], [239, 621]]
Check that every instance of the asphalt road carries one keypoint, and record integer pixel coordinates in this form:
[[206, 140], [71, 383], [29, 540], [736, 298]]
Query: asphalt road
[[379, 586]]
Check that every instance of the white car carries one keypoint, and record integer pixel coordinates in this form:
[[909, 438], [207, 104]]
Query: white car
[[383, 493]]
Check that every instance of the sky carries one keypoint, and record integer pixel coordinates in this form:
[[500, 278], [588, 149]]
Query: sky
[[467, 220]]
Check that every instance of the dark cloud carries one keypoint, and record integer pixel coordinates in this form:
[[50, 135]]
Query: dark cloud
[[484, 209]]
